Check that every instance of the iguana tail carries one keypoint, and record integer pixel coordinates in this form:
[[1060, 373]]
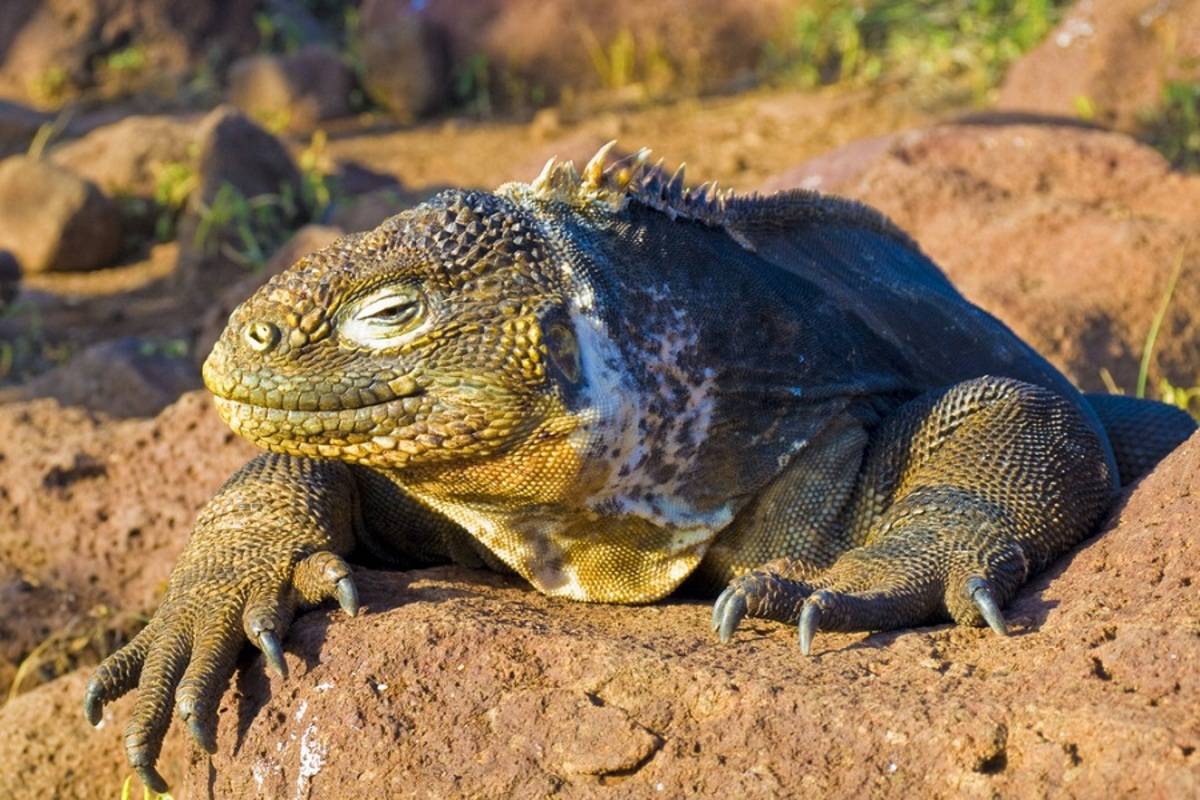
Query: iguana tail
[[1142, 432]]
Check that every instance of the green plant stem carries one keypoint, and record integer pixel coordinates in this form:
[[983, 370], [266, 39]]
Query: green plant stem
[[1156, 323]]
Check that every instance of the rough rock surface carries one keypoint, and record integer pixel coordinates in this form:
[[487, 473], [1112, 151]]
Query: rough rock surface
[[457, 683], [95, 512], [297, 90], [125, 377], [1068, 235], [49, 750], [53, 219], [127, 156], [1109, 58]]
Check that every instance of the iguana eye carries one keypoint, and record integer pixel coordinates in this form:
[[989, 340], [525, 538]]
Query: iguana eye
[[391, 309], [385, 318]]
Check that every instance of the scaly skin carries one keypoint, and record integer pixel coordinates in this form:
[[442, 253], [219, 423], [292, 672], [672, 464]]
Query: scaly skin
[[607, 384]]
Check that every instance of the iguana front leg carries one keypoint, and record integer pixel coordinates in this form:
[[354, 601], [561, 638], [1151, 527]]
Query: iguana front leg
[[963, 494], [269, 541]]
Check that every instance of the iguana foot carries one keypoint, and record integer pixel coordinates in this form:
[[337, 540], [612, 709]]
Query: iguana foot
[[261, 548], [965, 576]]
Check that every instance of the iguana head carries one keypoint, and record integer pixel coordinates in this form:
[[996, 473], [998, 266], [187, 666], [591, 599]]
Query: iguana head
[[441, 335]]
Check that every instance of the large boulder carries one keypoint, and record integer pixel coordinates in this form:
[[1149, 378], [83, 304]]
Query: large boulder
[[1108, 59], [124, 377], [294, 91], [1069, 235], [53, 219], [461, 683], [405, 61], [233, 150], [128, 156]]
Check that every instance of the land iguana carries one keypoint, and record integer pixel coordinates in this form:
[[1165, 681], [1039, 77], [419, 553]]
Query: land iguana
[[608, 383]]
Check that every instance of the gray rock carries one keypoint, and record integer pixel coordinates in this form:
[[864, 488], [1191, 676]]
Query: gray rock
[[127, 156], [54, 220], [296, 90], [233, 150], [405, 61], [18, 125]]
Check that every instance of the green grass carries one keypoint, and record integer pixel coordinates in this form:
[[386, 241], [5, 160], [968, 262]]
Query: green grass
[[173, 186], [1184, 397], [246, 230], [934, 46], [131, 59], [1174, 129]]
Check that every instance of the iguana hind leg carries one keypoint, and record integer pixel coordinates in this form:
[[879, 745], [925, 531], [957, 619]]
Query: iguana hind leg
[[963, 494]]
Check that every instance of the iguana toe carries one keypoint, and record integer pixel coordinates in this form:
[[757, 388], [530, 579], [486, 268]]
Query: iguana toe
[[326, 576], [165, 663], [115, 676], [733, 610], [981, 595], [810, 621], [268, 642], [762, 594]]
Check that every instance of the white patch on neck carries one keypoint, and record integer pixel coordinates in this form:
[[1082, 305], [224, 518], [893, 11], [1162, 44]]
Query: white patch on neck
[[621, 425]]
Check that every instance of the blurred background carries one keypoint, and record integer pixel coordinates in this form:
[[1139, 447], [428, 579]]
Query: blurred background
[[163, 157], [160, 159]]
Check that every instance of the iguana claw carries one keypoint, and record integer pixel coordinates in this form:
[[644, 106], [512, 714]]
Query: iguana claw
[[202, 733], [733, 611], [810, 621], [981, 595], [93, 708], [347, 595], [151, 779], [268, 642]]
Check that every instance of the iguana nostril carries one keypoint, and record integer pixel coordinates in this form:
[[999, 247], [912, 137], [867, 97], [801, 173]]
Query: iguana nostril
[[260, 336]]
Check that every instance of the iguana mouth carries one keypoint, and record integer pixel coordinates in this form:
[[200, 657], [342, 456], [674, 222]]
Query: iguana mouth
[[329, 396]]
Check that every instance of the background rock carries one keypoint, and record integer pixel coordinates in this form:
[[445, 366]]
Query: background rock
[[405, 63], [127, 156], [10, 279], [1068, 235], [233, 150], [295, 91], [1109, 58], [126, 377], [55, 49], [54, 220], [18, 125]]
